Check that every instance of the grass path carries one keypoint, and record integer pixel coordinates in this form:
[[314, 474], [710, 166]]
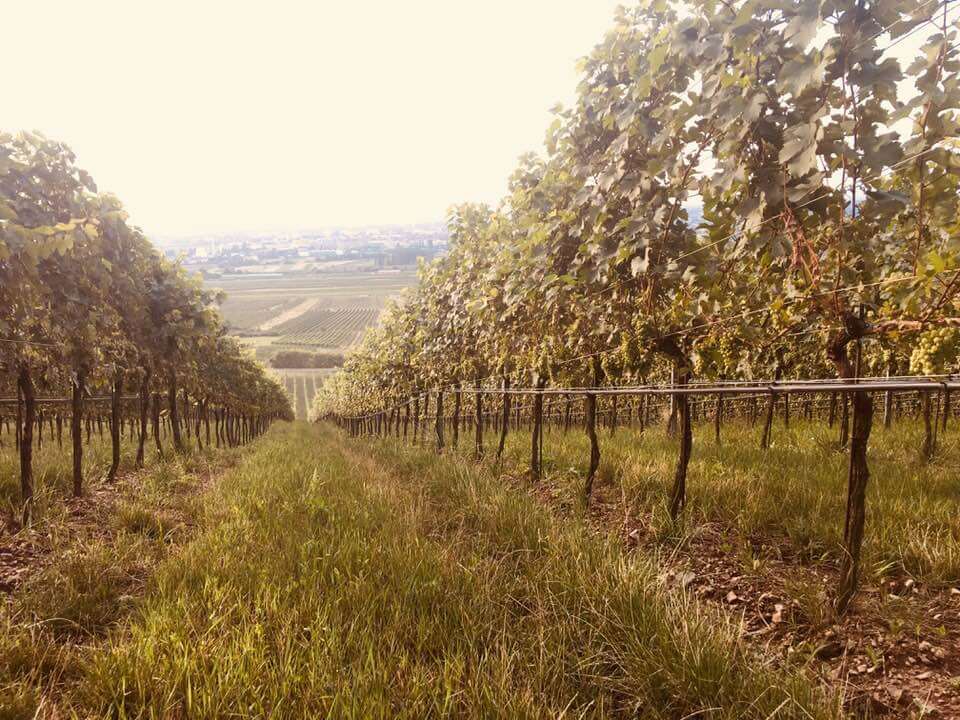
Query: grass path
[[335, 579]]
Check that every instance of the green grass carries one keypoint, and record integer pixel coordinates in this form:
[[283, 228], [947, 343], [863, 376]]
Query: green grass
[[94, 578], [336, 579], [792, 494], [323, 576], [53, 469]]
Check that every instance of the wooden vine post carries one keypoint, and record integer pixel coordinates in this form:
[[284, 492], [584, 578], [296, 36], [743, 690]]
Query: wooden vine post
[[536, 435], [172, 393], [672, 417], [115, 420], [416, 418], [478, 422], [858, 472], [888, 399], [590, 419], [206, 418], [26, 393], [504, 416], [19, 429], [929, 437], [426, 414], [946, 408], [144, 412], [771, 405], [157, 426], [678, 495], [768, 421], [76, 431], [455, 420], [613, 414], [844, 421], [439, 425], [717, 418]]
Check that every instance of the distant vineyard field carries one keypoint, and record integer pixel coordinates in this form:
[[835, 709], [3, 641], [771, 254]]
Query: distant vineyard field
[[301, 386], [246, 312], [301, 311], [327, 327]]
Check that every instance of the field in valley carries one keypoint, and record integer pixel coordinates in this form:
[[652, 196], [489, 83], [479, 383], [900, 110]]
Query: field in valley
[[319, 312]]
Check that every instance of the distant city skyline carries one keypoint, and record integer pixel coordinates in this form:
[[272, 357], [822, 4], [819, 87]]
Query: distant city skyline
[[233, 237]]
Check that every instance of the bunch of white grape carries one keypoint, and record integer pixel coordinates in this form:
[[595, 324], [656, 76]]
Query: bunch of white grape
[[935, 351]]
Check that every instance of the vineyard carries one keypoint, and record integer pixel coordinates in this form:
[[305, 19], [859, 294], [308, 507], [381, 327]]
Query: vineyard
[[672, 431], [248, 299], [98, 330], [819, 273], [248, 313], [327, 327], [301, 387]]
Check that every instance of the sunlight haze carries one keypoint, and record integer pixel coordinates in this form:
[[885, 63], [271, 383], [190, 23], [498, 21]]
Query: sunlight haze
[[217, 116]]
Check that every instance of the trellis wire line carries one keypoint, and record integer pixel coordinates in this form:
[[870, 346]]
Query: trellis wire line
[[555, 409], [934, 381], [797, 387], [771, 219], [749, 313], [824, 293], [919, 26], [764, 388], [51, 400], [826, 194], [848, 288], [29, 342]]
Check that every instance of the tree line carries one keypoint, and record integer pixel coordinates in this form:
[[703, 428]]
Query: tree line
[[88, 305]]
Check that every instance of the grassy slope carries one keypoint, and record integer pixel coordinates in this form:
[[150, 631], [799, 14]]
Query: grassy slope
[[332, 578], [795, 491], [53, 470], [96, 565]]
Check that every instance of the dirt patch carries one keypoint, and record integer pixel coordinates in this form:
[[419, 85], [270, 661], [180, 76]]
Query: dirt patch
[[28, 551]]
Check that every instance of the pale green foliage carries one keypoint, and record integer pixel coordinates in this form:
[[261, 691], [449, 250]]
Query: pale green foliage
[[779, 118], [83, 292]]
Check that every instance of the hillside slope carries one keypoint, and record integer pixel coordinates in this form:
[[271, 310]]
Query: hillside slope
[[332, 578]]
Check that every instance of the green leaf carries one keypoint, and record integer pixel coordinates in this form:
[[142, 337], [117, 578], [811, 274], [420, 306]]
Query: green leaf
[[799, 151], [656, 57]]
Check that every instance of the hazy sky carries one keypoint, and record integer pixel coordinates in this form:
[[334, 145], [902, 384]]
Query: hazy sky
[[209, 115]]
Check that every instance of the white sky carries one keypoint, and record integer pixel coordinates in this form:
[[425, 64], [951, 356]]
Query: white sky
[[220, 115]]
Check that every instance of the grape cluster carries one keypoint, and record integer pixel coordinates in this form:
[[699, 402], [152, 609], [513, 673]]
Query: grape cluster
[[717, 353], [936, 349], [729, 357]]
